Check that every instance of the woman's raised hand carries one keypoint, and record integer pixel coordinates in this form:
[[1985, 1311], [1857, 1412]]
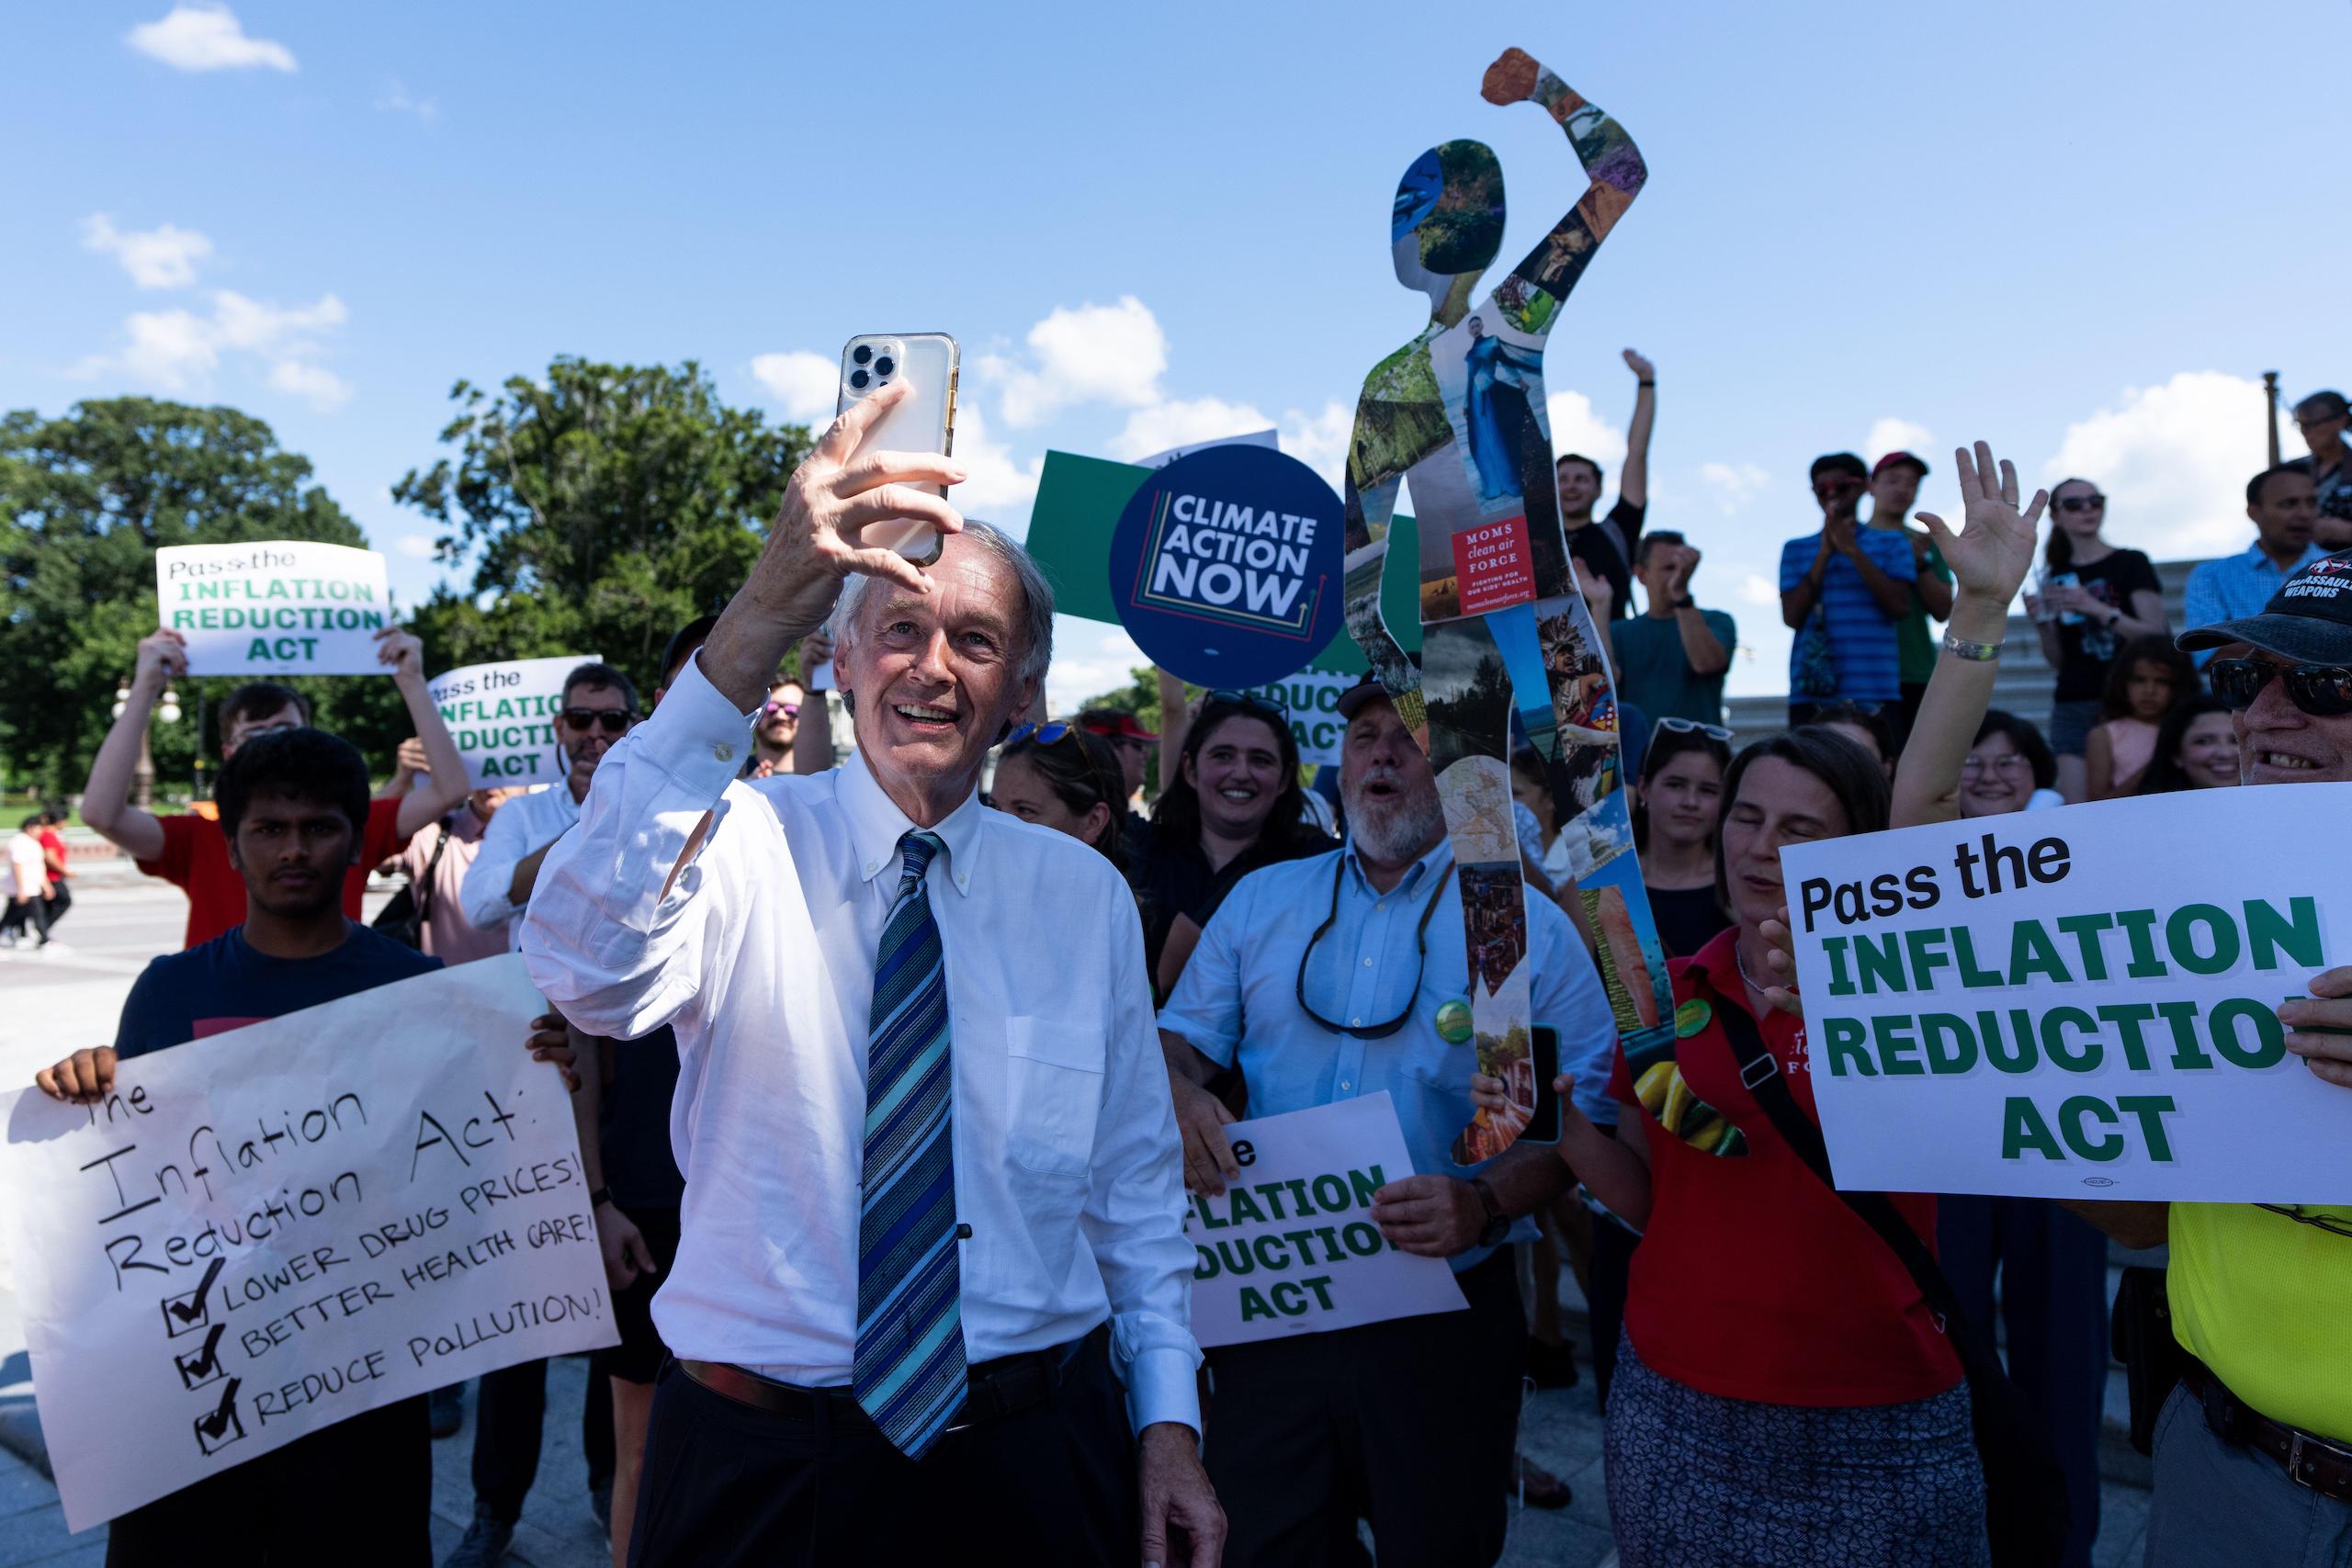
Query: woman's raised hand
[[1993, 554]]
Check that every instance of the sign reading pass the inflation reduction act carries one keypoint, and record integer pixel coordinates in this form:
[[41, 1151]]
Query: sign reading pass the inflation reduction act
[[503, 718], [2081, 1002], [275, 607]]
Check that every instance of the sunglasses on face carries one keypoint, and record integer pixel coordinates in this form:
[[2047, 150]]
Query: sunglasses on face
[[2305, 421], [2082, 503], [789, 710], [2323, 691], [612, 721], [1686, 726]]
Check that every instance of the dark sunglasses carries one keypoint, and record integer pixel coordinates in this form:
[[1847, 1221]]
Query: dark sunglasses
[[1046, 734], [1686, 726], [2323, 691], [1246, 699], [2082, 503], [612, 721]]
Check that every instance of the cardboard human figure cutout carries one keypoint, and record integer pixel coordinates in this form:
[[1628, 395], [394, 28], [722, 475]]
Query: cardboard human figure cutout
[[1460, 413]]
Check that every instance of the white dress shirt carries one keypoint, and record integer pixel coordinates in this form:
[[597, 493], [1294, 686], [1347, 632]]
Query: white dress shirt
[[1069, 1169], [523, 827]]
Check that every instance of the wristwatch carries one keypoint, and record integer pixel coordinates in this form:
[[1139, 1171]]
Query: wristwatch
[[1685, 603], [1498, 1223]]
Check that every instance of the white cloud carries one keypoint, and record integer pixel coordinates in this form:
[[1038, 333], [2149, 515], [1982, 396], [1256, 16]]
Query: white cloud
[[314, 384], [1183, 422], [397, 101], [1577, 427], [1734, 485], [1088, 660], [207, 38], [1320, 441], [2174, 460], [178, 351], [1757, 591], [155, 258], [1893, 435], [418, 546], [804, 385], [1108, 354], [995, 479]]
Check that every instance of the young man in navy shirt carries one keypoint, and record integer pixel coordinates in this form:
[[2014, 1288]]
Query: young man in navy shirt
[[294, 809]]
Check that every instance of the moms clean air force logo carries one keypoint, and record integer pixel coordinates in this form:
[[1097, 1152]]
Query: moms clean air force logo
[[1226, 566]]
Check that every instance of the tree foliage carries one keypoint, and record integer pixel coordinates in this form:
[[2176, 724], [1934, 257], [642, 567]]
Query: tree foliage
[[603, 508], [85, 500]]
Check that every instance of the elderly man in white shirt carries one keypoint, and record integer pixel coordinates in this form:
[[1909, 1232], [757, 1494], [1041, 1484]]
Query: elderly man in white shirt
[[934, 1209]]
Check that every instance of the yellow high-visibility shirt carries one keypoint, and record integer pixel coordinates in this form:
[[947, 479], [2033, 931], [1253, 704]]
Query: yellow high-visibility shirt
[[2266, 1303]]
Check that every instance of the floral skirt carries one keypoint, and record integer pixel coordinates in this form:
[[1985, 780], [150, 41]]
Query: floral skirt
[[1695, 1478]]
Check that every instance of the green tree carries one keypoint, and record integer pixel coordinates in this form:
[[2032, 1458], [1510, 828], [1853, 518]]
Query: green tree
[[85, 500], [603, 507]]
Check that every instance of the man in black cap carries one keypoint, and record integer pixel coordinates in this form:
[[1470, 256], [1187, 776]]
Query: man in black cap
[[2253, 1452], [2323, 418]]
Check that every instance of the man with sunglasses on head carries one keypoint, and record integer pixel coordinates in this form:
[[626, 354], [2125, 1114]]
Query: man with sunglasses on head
[[2253, 1449], [1321, 979], [2285, 510], [598, 706], [2323, 418], [188, 850], [1671, 660]]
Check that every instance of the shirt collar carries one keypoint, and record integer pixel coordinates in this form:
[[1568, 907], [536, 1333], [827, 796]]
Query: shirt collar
[[876, 824], [1718, 962], [2259, 561], [1436, 859]]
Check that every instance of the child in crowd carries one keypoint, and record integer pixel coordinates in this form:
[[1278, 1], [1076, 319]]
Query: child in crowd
[[2142, 684]]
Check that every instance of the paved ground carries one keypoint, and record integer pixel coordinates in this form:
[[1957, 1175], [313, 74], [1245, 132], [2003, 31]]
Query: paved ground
[[53, 1004]]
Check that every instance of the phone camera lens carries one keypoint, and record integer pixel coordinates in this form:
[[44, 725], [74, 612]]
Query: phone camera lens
[[884, 366], [858, 378], [861, 354]]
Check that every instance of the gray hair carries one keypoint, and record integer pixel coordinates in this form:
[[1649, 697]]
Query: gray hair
[[1036, 599]]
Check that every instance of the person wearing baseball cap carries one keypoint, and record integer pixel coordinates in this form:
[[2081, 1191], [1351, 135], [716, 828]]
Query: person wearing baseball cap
[[1895, 485], [2256, 1463], [2323, 418], [1132, 744]]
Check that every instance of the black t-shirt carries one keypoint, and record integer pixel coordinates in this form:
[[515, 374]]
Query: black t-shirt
[[1687, 919], [1605, 547], [1176, 879], [2087, 648], [633, 1127], [224, 984]]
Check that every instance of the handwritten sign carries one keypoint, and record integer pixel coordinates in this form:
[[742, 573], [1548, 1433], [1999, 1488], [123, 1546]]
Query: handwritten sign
[[279, 1227], [503, 718], [2080, 1002], [1291, 1247], [281, 606]]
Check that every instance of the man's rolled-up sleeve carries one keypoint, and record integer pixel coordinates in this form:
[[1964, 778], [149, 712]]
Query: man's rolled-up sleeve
[[1568, 996], [602, 939], [1135, 1211], [483, 893]]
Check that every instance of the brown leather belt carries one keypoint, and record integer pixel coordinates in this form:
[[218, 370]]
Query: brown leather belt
[[2310, 1460], [993, 1389]]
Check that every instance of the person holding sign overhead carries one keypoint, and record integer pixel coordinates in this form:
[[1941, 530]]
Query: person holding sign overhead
[[1351, 973], [932, 1212], [189, 850]]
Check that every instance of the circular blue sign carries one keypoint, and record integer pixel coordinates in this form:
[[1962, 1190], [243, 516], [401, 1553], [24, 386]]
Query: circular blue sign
[[1227, 565]]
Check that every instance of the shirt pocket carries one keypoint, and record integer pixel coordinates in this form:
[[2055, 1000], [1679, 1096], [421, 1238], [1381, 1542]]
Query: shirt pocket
[[1053, 1078]]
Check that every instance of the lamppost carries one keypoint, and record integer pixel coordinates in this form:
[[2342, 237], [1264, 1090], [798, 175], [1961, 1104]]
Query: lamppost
[[142, 780]]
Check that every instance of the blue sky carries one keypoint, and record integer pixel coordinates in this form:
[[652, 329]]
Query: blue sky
[[2080, 230]]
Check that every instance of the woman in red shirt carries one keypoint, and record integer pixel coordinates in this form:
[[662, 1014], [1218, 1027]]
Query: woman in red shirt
[[1783, 1395]]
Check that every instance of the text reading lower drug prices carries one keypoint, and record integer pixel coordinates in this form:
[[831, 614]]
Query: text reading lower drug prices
[[262, 1234], [2048, 1004]]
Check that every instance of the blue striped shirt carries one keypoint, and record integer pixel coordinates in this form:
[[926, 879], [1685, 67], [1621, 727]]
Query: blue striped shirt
[[2229, 587], [1861, 635]]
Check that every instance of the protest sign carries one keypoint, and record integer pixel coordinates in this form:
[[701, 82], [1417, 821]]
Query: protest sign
[[278, 606], [2080, 1002], [503, 718], [1291, 1247], [1311, 698], [1226, 566], [274, 1229]]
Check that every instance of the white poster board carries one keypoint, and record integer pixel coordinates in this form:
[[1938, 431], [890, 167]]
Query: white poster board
[[275, 607], [264, 1233], [1290, 1249], [503, 718], [1311, 697], [2079, 1002]]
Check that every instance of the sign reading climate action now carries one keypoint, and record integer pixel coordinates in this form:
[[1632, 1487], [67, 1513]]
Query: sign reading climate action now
[[1290, 1249], [503, 718], [278, 606], [2079, 1002], [277, 1228]]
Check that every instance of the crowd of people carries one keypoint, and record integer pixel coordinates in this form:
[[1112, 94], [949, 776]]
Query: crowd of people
[[892, 1076]]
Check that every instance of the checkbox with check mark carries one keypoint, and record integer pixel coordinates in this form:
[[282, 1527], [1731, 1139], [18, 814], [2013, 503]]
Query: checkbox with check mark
[[202, 1365], [188, 1313], [221, 1425]]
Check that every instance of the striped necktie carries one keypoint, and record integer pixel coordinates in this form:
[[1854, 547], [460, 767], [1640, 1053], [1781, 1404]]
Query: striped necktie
[[910, 1375]]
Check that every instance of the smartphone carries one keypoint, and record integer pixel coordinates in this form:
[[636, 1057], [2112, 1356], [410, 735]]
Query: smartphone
[[928, 364], [1543, 1127]]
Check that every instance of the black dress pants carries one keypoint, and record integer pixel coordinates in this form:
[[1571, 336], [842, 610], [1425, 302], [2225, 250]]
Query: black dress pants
[[357, 1494], [1410, 1423], [509, 1410]]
